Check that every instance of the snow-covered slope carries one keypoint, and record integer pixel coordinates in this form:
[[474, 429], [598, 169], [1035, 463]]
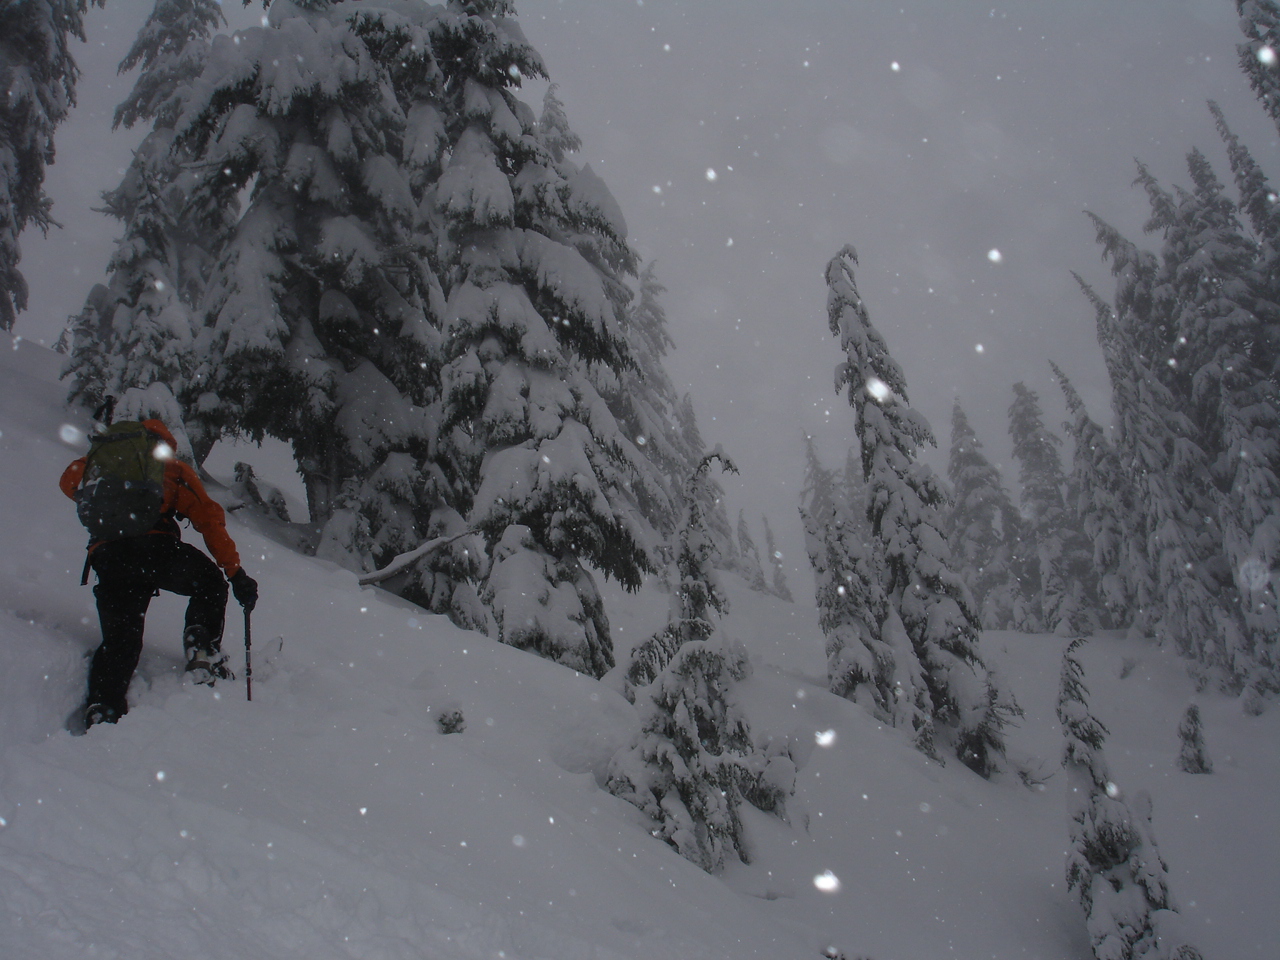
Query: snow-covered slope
[[329, 817]]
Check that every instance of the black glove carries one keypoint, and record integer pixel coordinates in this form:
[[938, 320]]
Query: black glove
[[245, 588]]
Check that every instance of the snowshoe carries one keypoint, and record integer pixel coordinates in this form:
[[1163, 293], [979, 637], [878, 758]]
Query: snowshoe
[[205, 663], [206, 667]]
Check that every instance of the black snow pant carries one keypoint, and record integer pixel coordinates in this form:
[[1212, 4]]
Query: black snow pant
[[130, 572]]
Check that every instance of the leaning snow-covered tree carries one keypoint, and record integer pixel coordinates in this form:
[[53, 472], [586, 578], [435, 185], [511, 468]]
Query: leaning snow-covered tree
[[38, 76], [532, 255], [136, 342], [1113, 865], [956, 702], [982, 526], [693, 762]]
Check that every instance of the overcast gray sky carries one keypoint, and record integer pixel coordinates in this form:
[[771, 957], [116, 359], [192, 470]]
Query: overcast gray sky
[[998, 126]]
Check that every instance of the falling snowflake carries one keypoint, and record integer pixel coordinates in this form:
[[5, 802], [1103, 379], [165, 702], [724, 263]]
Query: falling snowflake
[[827, 882], [994, 255]]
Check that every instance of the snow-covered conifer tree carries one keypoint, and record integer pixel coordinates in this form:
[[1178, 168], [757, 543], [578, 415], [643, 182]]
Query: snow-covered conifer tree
[[697, 599], [640, 395], [716, 513], [866, 644], [1223, 298], [321, 319], [778, 587], [693, 762], [532, 254], [1165, 466], [819, 488], [1113, 865], [957, 701], [1053, 548], [751, 567], [1257, 200], [1226, 461], [139, 346], [1260, 53], [38, 75], [1135, 576], [553, 126], [1193, 757], [644, 400], [982, 525], [1096, 494]]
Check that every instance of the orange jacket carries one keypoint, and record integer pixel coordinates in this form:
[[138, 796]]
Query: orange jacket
[[184, 496]]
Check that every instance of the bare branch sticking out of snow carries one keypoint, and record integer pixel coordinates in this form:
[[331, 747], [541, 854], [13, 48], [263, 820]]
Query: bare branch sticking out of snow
[[405, 560]]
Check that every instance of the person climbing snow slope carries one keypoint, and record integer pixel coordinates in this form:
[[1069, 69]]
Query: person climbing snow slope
[[131, 491]]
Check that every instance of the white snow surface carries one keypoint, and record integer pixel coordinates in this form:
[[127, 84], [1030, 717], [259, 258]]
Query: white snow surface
[[329, 817]]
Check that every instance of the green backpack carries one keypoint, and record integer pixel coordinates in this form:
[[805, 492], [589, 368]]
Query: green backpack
[[122, 491]]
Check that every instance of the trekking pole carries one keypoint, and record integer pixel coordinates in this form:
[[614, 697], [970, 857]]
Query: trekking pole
[[248, 662]]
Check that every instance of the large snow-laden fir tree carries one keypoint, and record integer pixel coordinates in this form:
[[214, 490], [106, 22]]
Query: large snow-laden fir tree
[[321, 320], [958, 705], [38, 76], [983, 526], [1113, 865], [694, 762], [532, 255], [135, 339]]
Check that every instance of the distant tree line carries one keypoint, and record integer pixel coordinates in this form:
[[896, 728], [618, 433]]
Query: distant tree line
[[1166, 523]]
